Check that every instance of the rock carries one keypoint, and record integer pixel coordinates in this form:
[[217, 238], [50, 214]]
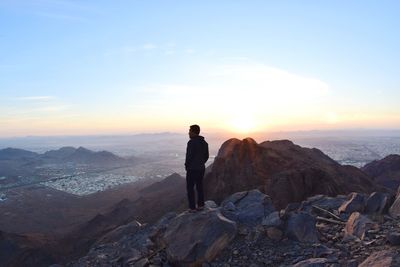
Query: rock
[[194, 238], [250, 207], [322, 251], [141, 263], [325, 202], [358, 225], [314, 262], [376, 203], [394, 210], [301, 227], [158, 230], [274, 233], [394, 238], [384, 258], [273, 219], [118, 233], [210, 204], [352, 263], [354, 203]]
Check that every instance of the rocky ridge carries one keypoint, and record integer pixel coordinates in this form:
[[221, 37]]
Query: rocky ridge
[[247, 230]]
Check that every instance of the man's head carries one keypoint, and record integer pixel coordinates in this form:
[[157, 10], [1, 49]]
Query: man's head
[[194, 130]]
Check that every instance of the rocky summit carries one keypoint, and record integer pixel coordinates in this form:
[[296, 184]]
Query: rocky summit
[[284, 171], [247, 230]]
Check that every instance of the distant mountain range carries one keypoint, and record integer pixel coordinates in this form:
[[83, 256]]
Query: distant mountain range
[[62, 155], [16, 162]]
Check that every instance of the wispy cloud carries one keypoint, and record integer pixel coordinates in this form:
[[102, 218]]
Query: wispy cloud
[[169, 48]]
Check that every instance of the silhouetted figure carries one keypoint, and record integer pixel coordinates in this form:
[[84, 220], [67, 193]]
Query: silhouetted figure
[[196, 157]]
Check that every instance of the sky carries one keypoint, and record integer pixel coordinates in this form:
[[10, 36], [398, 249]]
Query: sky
[[123, 67]]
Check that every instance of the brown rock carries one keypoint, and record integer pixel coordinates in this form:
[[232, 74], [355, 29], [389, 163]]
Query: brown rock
[[385, 258], [357, 225]]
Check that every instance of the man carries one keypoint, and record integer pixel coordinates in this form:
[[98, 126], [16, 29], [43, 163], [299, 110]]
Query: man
[[196, 157]]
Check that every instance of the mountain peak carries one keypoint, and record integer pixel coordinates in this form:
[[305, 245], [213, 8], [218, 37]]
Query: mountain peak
[[285, 171], [229, 146]]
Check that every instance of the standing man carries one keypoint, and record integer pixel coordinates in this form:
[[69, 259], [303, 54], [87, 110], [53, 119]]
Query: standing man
[[196, 157]]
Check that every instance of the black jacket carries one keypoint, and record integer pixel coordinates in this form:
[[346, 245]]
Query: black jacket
[[196, 153]]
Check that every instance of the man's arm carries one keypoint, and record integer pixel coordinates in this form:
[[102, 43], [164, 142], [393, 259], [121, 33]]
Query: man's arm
[[189, 154], [206, 153]]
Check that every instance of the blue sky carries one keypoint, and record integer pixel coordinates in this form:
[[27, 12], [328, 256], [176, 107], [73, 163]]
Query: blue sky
[[83, 67]]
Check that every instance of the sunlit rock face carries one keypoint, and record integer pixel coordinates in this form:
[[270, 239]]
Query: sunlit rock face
[[284, 171]]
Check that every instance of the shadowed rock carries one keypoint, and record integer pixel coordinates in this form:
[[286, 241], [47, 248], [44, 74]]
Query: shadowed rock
[[118, 233], [394, 210], [385, 171], [194, 238], [354, 203], [394, 238], [376, 203], [384, 258], [247, 208], [301, 227], [273, 219]]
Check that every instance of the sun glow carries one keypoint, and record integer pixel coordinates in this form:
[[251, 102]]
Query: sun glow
[[242, 124]]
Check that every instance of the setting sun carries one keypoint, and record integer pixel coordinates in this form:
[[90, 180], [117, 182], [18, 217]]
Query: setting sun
[[242, 124]]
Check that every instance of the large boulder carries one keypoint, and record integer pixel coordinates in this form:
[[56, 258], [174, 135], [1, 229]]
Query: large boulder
[[355, 202], [384, 258], [357, 225], [194, 238], [301, 227], [247, 208], [376, 203]]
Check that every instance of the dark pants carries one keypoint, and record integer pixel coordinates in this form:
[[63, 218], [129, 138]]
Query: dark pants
[[195, 177]]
